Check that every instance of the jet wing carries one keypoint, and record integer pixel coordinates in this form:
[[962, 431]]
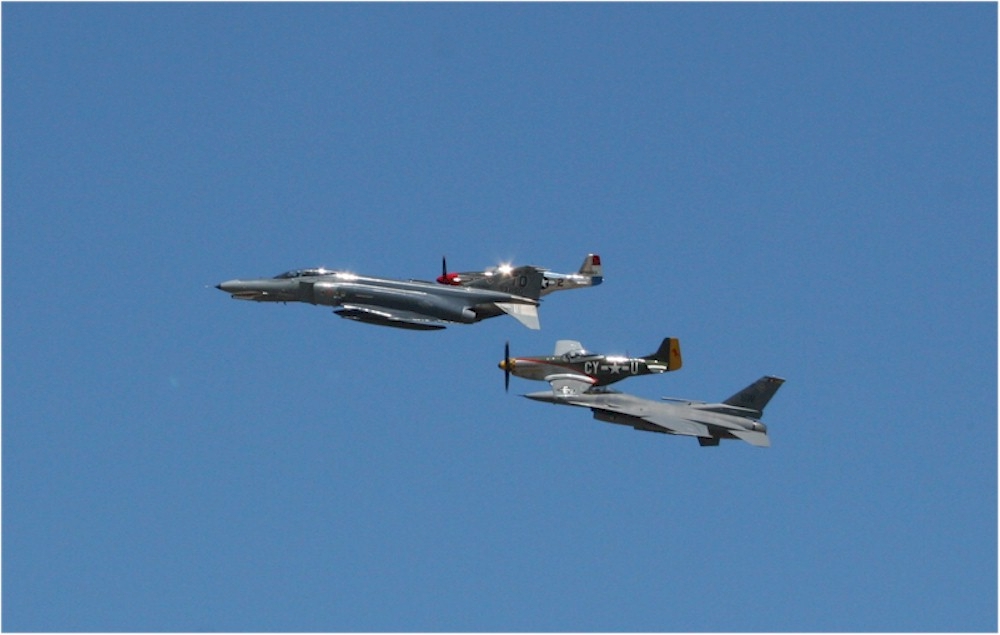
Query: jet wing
[[385, 317], [674, 425], [678, 425]]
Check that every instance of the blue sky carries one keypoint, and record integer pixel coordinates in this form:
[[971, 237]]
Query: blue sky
[[805, 190]]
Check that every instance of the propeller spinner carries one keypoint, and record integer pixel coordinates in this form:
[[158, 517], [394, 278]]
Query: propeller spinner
[[445, 277]]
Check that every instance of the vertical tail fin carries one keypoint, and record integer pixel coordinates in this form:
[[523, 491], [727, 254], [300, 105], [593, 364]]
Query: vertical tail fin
[[669, 353], [756, 395], [591, 267]]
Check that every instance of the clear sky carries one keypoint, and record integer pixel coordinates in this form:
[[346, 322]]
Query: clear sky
[[803, 190]]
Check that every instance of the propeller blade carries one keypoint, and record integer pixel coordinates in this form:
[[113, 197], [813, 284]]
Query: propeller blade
[[443, 278], [506, 366]]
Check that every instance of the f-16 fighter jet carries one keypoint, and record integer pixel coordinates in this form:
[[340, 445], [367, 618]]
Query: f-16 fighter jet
[[407, 304], [571, 369], [590, 275], [735, 418]]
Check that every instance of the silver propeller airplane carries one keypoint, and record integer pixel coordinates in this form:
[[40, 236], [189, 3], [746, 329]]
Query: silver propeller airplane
[[572, 369], [735, 418], [591, 274], [407, 304]]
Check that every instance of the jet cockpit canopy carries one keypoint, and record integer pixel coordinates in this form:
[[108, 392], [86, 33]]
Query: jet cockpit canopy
[[302, 273]]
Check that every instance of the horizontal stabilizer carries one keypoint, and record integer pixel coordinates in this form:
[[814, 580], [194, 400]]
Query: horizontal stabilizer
[[526, 314], [759, 439]]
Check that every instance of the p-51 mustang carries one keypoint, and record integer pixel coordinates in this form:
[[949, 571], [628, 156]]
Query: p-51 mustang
[[591, 274], [735, 418], [407, 304], [571, 369]]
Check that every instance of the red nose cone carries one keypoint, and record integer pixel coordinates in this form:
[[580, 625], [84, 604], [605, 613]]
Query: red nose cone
[[449, 278]]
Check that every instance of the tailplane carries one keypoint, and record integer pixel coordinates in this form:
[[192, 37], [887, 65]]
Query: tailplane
[[755, 396], [669, 353]]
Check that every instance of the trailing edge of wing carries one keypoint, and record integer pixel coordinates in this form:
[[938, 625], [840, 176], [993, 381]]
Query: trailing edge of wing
[[526, 314]]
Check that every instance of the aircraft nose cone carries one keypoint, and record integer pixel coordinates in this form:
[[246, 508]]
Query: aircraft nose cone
[[229, 286]]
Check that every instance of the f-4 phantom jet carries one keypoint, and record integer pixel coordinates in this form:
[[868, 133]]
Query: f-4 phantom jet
[[735, 418], [589, 275], [407, 304], [571, 369]]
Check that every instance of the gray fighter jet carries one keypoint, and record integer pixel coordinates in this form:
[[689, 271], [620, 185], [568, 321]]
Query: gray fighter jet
[[735, 418], [572, 369], [407, 304]]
